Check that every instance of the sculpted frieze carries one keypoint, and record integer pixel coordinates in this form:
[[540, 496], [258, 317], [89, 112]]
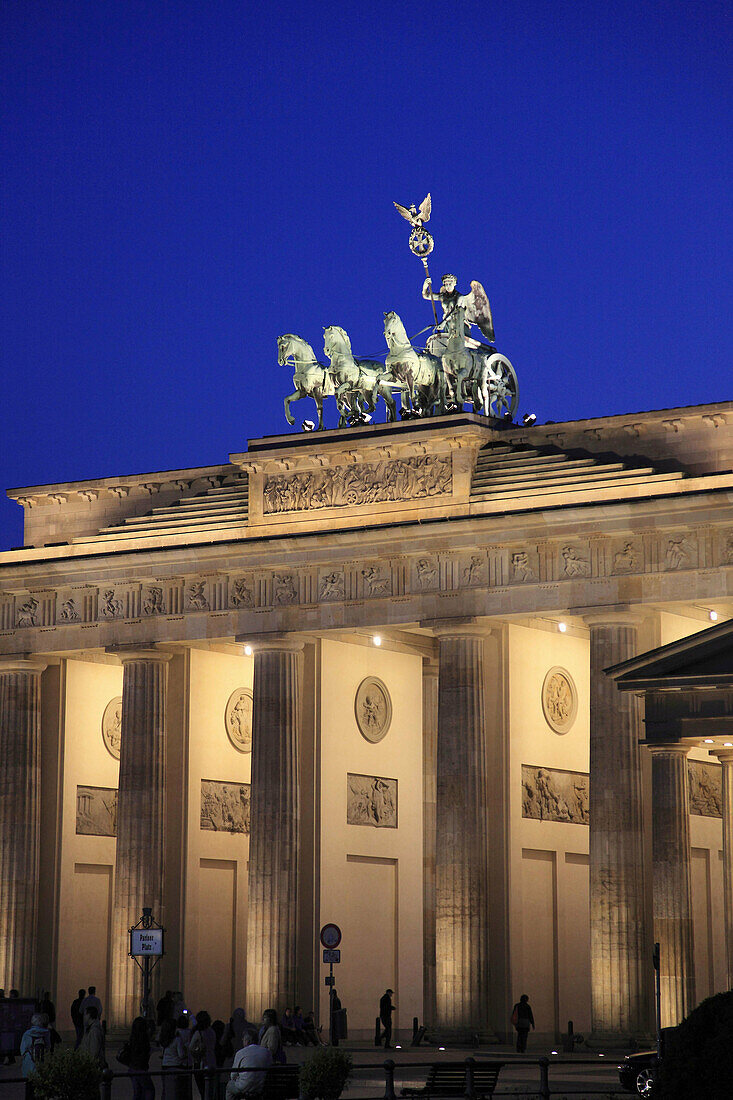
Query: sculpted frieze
[[197, 598], [705, 785], [69, 612], [27, 614], [376, 581], [524, 566], [371, 800], [427, 574], [680, 552], [225, 807], [473, 571], [153, 601], [109, 606], [628, 558], [574, 562], [284, 589], [96, 811], [241, 594], [550, 795], [331, 586], [362, 483]]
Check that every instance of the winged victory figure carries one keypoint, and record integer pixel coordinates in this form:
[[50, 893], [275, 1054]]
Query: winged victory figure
[[475, 303], [416, 218]]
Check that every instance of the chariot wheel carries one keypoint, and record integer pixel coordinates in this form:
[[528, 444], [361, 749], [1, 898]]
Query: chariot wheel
[[503, 384]]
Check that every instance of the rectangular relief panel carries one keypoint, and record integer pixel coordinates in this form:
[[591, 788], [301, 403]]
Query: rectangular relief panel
[[371, 800], [96, 811], [705, 784], [552, 795], [225, 807]]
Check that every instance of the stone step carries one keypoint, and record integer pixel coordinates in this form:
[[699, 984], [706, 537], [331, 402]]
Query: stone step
[[541, 462], [562, 477], [195, 505], [536, 471], [151, 523], [541, 488], [110, 534], [175, 514]]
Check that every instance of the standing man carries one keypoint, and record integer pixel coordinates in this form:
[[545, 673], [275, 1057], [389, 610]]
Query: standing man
[[386, 1008], [523, 1019], [77, 1017], [92, 1001]]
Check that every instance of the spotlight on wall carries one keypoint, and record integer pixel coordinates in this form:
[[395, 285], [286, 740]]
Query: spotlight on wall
[[708, 741], [248, 651], [377, 639], [308, 426], [713, 615], [728, 744], [529, 419], [562, 627]]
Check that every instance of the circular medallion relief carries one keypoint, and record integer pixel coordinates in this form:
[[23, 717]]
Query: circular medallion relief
[[238, 719], [373, 709], [112, 726], [559, 699]]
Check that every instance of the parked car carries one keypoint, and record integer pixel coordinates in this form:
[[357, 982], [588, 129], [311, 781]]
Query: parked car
[[636, 1072]]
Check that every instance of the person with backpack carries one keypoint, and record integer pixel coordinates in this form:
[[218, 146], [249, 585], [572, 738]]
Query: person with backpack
[[34, 1045]]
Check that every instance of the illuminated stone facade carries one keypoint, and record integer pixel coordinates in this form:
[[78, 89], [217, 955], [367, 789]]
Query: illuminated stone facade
[[363, 680]]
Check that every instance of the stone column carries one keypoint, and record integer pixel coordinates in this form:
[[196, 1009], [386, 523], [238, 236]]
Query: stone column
[[20, 815], [275, 827], [139, 862], [725, 756], [430, 747], [461, 894], [620, 946], [672, 891]]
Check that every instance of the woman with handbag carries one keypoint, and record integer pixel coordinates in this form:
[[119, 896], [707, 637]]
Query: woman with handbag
[[135, 1054]]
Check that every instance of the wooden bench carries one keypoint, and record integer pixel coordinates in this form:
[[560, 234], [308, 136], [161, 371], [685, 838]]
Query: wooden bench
[[282, 1083], [449, 1079]]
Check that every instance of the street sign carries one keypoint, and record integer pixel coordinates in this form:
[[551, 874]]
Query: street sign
[[146, 942], [331, 956], [329, 980], [330, 935]]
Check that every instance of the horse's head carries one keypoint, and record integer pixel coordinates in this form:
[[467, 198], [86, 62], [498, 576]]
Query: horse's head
[[394, 331], [335, 340], [293, 347]]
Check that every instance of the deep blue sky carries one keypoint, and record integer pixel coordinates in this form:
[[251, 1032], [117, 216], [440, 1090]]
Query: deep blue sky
[[183, 181]]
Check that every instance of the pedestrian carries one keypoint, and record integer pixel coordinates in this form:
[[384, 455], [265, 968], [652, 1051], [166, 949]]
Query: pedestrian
[[175, 1056], [522, 1020], [77, 1017], [34, 1045], [202, 1049], [248, 1069], [48, 1008], [138, 1060], [271, 1036], [92, 1042], [92, 1001], [386, 1008]]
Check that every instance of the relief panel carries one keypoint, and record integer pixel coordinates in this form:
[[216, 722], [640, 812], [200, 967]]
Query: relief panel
[[705, 786], [225, 807], [550, 795], [96, 811], [371, 800]]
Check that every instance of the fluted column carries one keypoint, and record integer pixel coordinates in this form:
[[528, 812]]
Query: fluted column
[[461, 894], [725, 756], [672, 891], [274, 827], [620, 944], [139, 863], [430, 748], [20, 809]]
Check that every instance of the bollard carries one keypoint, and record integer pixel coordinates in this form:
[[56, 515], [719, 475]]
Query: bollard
[[389, 1092], [470, 1092], [107, 1084], [415, 1029], [544, 1078]]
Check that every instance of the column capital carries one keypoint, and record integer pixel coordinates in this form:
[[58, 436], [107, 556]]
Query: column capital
[[138, 653], [615, 615], [22, 664], [457, 628], [667, 748], [725, 756], [282, 642]]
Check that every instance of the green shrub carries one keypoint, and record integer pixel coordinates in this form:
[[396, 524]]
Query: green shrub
[[698, 1055], [67, 1075], [325, 1074]]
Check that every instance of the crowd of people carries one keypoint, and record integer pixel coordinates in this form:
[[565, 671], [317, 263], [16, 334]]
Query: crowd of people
[[186, 1042]]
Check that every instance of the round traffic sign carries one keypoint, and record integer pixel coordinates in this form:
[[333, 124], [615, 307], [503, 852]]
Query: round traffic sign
[[330, 935]]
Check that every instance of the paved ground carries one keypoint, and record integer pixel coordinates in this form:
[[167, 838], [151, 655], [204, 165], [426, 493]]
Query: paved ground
[[581, 1076]]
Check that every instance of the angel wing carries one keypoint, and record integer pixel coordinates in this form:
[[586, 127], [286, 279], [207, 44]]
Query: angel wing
[[478, 310], [406, 214], [426, 207]]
